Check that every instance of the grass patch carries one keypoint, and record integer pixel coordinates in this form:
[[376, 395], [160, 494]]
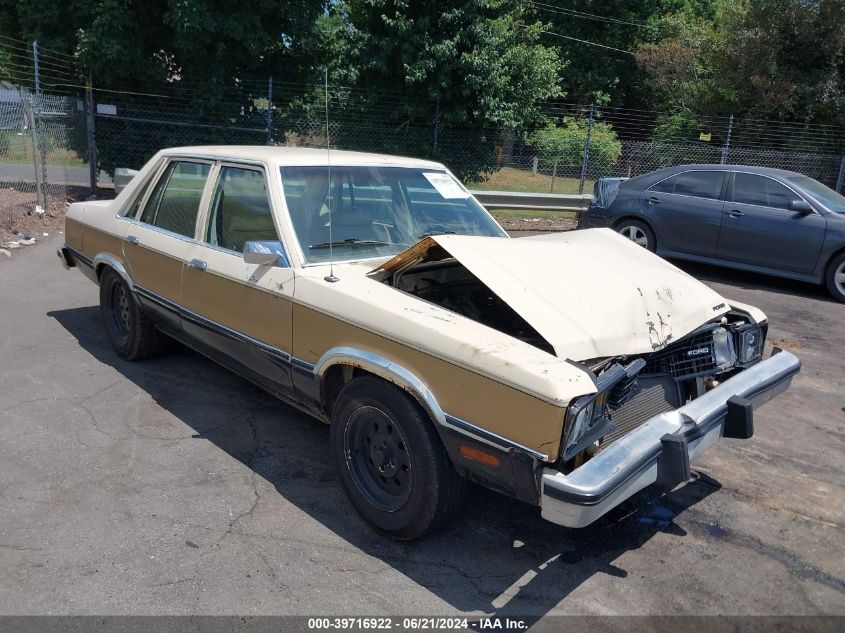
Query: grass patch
[[512, 179]]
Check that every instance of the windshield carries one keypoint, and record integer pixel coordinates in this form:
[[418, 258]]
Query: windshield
[[377, 211], [827, 196]]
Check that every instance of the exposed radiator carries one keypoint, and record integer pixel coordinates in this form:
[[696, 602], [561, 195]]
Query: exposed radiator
[[650, 397]]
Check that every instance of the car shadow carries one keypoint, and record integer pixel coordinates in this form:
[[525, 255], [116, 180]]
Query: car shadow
[[498, 558], [754, 281]]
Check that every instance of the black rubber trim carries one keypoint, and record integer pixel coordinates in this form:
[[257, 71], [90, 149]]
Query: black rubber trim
[[76, 256]]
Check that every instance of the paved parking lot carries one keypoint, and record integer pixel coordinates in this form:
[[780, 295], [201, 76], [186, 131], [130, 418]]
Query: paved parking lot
[[173, 487]]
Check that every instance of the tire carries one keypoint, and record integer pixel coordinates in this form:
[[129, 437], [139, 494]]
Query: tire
[[392, 465], [639, 233], [130, 332], [835, 277]]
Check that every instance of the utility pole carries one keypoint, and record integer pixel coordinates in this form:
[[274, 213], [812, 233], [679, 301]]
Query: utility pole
[[270, 110], [727, 145], [89, 120], [39, 123], [586, 159]]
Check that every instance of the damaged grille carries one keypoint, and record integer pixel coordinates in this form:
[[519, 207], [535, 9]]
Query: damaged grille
[[693, 356]]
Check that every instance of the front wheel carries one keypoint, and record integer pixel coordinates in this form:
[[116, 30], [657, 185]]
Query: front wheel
[[639, 233], [392, 465], [835, 278]]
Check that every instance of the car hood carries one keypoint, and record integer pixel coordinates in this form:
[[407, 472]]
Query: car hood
[[590, 293]]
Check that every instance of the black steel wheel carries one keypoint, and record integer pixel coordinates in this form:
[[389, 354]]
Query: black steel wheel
[[132, 335], [391, 462]]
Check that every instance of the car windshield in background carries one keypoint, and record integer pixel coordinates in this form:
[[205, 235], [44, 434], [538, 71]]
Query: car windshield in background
[[376, 211], [827, 196]]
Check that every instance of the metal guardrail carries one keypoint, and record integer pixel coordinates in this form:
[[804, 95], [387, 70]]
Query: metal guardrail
[[538, 201]]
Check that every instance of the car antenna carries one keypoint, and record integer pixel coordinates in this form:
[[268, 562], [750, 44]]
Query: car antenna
[[330, 277]]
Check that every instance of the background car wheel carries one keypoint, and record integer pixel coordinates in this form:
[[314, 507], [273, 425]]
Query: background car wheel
[[131, 333], [392, 465], [638, 232], [836, 277]]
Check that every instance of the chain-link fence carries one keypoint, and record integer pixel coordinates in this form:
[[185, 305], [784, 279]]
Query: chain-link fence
[[53, 120]]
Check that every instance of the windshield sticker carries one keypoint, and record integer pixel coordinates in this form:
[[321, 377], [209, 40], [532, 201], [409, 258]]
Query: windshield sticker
[[446, 185]]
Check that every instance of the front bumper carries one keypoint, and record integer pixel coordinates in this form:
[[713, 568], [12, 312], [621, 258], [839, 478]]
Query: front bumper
[[660, 449]]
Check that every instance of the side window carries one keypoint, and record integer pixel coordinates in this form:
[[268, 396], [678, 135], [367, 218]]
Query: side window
[[664, 186], [240, 210], [131, 209], [175, 200], [700, 184], [761, 191]]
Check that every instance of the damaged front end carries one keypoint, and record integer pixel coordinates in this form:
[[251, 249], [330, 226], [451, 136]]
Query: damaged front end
[[631, 390], [674, 365]]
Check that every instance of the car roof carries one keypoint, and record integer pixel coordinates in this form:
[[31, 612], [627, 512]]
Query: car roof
[[299, 155], [646, 180]]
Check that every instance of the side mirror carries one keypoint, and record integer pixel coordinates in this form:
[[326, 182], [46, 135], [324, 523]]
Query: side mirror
[[265, 253], [801, 206]]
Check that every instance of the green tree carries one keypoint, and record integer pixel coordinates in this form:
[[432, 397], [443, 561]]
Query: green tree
[[564, 144], [468, 68]]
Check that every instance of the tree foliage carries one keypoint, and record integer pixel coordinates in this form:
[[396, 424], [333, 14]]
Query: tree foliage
[[564, 144]]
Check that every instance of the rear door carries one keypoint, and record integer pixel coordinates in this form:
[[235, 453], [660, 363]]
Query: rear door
[[238, 313], [158, 239], [686, 210], [758, 228]]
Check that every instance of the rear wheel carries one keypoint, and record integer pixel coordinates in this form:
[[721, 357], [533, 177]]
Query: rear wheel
[[392, 465], [835, 277], [131, 333], [638, 232]]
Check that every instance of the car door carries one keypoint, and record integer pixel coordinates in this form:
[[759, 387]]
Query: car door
[[758, 228], [239, 313], [157, 241], [686, 211]]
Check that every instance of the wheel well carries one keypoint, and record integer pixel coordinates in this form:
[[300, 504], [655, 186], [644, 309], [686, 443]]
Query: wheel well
[[829, 261], [637, 218], [340, 374]]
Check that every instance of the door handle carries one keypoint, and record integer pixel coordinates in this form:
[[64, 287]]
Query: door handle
[[734, 213], [654, 200], [197, 264], [132, 239]]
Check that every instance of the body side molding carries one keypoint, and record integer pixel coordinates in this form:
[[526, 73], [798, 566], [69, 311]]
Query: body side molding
[[408, 381]]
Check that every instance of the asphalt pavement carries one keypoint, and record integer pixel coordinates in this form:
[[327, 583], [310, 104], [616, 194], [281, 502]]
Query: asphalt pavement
[[171, 486]]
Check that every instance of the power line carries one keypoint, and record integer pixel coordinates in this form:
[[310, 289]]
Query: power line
[[588, 16], [575, 39]]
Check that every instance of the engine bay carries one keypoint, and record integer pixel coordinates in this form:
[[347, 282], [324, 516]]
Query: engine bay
[[450, 285]]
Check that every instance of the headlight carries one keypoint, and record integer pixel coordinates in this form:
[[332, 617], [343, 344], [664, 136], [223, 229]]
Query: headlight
[[581, 423], [723, 348], [750, 344]]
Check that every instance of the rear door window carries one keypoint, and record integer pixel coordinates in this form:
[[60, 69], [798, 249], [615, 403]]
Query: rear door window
[[174, 203], [761, 191], [700, 184]]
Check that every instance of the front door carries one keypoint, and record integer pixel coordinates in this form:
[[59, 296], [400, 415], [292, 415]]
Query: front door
[[758, 228], [156, 243], [686, 209], [240, 313]]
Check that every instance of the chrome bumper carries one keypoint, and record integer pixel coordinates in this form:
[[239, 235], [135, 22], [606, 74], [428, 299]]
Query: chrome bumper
[[660, 450]]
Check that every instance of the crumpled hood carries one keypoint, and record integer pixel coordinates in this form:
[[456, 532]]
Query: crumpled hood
[[590, 293]]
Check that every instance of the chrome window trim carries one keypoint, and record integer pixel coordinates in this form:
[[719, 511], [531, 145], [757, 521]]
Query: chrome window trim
[[765, 206], [727, 172]]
